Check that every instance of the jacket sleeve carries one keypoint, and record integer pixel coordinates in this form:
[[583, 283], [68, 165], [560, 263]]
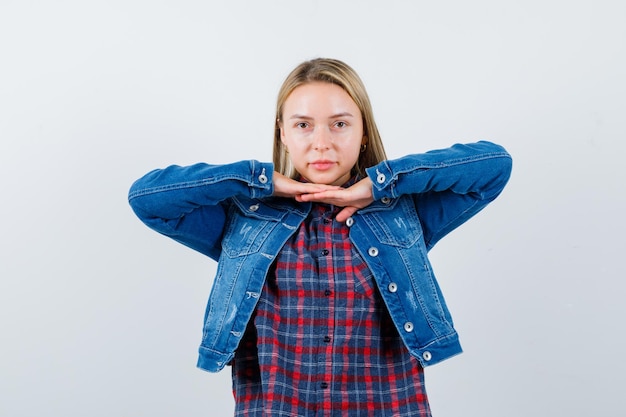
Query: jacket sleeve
[[187, 204], [448, 185]]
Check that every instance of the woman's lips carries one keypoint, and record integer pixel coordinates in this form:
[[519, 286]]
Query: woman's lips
[[322, 165]]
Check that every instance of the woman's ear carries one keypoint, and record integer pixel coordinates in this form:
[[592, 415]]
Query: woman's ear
[[363, 144], [279, 126]]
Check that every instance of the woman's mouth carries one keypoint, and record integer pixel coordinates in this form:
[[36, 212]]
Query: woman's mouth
[[322, 164]]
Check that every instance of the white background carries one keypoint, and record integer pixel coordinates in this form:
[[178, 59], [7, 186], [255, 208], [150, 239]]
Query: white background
[[99, 316]]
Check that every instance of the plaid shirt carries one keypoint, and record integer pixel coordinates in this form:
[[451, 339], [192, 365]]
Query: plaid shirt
[[321, 342]]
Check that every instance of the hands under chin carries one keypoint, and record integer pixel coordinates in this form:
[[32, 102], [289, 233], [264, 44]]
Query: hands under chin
[[351, 199]]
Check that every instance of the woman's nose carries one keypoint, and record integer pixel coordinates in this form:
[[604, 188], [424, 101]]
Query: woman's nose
[[322, 139]]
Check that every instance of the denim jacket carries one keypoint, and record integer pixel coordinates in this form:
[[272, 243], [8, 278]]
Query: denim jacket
[[227, 212]]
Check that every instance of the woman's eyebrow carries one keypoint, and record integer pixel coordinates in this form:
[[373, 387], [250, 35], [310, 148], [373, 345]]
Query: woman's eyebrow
[[334, 116], [300, 116], [342, 114]]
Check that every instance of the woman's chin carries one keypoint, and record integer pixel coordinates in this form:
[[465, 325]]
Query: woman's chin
[[327, 178]]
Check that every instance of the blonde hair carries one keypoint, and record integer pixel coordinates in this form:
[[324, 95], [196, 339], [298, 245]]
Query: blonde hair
[[335, 72]]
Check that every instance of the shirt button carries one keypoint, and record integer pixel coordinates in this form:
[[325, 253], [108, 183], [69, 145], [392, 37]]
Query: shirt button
[[349, 222], [326, 221], [408, 327], [254, 207], [372, 251], [262, 178], [381, 178], [324, 385], [385, 200], [325, 252], [427, 356], [327, 293], [326, 339], [393, 287]]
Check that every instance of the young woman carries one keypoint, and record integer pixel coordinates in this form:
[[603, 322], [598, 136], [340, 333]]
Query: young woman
[[324, 302]]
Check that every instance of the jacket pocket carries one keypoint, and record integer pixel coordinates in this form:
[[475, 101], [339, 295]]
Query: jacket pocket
[[395, 225], [246, 231]]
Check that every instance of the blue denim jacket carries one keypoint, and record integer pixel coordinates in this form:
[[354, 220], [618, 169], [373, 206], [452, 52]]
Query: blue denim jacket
[[228, 213]]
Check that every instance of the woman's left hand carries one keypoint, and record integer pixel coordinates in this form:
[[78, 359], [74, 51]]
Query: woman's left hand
[[351, 199]]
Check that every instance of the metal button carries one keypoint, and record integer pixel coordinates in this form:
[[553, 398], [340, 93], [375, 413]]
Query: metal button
[[385, 200], [262, 178], [393, 287], [324, 385], [427, 356], [326, 339], [381, 178], [349, 222], [327, 293], [325, 252], [408, 327], [254, 207], [373, 251]]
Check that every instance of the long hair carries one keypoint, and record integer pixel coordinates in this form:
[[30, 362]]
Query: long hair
[[335, 72]]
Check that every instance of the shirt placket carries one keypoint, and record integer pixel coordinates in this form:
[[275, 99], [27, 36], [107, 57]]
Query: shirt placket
[[326, 311]]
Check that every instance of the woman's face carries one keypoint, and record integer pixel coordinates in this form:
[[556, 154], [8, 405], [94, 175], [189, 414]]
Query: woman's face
[[322, 128]]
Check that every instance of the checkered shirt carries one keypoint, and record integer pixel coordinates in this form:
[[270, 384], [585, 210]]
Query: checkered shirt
[[321, 342]]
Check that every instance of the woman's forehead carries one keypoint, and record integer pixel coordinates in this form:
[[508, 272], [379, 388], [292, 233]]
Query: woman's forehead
[[319, 99]]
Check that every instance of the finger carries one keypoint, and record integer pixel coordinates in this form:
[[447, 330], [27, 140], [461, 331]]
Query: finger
[[324, 196], [344, 214], [299, 189]]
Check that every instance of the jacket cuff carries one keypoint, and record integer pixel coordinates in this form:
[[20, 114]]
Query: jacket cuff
[[383, 181], [261, 184]]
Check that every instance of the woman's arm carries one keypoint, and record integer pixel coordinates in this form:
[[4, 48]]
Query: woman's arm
[[185, 203], [449, 185]]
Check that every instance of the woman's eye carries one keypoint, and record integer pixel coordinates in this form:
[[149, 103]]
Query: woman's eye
[[341, 124], [302, 125]]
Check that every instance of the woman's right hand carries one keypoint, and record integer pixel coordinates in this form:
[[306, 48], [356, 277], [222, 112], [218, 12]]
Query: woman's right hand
[[289, 188]]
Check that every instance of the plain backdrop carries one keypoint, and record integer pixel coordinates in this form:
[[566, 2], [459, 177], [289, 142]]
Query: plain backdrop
[[99, 316]]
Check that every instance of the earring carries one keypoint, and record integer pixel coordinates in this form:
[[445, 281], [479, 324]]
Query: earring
[[363, 147]]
